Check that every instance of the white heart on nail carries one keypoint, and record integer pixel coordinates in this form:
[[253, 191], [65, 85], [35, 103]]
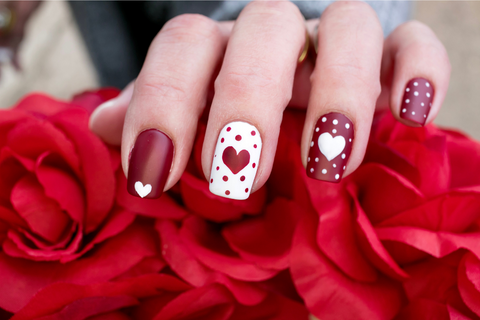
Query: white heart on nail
[[142, 190], [330, 147]]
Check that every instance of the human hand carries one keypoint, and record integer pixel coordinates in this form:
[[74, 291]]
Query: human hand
[[252, 65]]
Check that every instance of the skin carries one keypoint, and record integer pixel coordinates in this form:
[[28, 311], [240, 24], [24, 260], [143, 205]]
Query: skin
[[252, 63]]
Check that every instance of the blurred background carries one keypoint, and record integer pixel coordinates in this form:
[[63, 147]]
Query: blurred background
[[54, 58]]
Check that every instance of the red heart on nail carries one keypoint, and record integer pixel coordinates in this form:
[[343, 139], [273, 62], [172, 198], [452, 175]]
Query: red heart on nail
[[235, 162]]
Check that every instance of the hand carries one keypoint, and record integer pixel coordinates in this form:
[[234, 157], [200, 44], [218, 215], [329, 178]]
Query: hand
[[253, 63]]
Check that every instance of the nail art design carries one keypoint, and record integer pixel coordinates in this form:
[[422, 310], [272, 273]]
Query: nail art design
[[235, 161], [330, 147], [417, 100], [150, 163]]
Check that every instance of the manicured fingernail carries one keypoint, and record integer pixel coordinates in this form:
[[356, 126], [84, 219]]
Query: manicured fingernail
[[150, 163], [235, 161], [330, 147], [417, 100]]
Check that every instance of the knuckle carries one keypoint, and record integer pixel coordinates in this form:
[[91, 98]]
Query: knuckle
[[164, 88], [190, 28]]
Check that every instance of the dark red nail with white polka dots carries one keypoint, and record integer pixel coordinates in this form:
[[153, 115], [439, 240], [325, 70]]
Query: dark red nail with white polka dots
[[330, 147], [417, 100], [235, 161]]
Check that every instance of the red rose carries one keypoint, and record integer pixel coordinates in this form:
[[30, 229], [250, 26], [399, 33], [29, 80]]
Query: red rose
[[392, 237], [57, 192]]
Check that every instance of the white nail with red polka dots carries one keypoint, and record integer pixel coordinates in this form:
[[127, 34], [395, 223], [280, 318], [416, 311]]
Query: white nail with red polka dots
[[235, 161]]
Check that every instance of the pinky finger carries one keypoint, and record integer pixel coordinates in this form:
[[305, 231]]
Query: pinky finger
[[417, 64]]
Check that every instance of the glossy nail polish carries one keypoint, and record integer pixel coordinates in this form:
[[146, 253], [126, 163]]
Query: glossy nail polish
[[235, 161], [150, 163], [417, 100], [330, 147]]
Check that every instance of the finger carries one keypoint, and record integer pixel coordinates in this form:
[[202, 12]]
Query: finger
[[345, 87], [108, 119], [417, 69], [252, 89], [169, 96]]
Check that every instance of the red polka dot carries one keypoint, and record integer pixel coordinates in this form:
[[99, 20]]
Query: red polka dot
[[253, 165], [242, 178], [218, 168], [225, 178], [246, 190], [238, 137], [222, 140], [253, 133], [211, 180], [255, 146], [227, 192], [228, 129]]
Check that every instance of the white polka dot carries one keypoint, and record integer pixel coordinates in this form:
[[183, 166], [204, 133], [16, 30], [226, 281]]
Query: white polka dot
[[347, 125], [324, 119], [316, 159], [415, 93], [407, 101], [335, 121], [311, 144], [318, 129], [413, 113], [415, 84], [343, 155], [422, 104], [337, 176], [311, 169], [349, 140], [308, 160], [344, 167], [424, 115], [427, 84], [334, 165], [404, 110], [428, 95], [334, 130], [324, 171], [408, 89]]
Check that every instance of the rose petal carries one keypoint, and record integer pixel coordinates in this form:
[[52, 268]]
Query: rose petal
[[265, 240], [422, 309], [8, 119], [182, 262], [207, 245], [464, 156], [273, 307], [90, 100], [163, 207], [31, 138], [372, 246], [98, 178], [469, 282], [437, 244], [42, 214], [21, 278], [312, 270], [212, 302], [63, 188], [38, 103]]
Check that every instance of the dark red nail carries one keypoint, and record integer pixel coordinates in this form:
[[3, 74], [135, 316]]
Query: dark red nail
[[330, 147], [150, 164], [417, 100]]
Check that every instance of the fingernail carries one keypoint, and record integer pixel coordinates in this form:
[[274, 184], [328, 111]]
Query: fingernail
[[330, 147], [417, 100], [150, 163], [235, 161]]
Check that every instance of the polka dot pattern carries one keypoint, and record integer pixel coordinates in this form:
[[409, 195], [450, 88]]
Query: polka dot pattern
[[417, 100], [238, 148], [331, 146]]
